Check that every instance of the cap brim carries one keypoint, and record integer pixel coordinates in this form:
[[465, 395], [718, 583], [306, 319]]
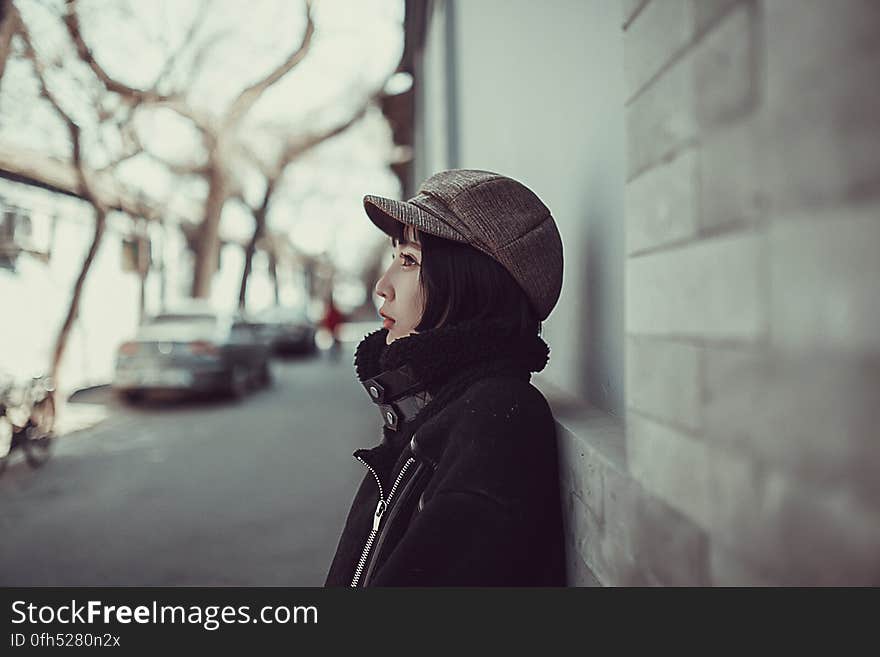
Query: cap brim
[[387, 213]]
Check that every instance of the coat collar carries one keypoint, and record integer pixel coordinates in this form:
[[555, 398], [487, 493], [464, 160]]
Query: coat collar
[[435, 365], [436, 356]]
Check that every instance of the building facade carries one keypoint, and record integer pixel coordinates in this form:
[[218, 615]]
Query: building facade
[[714, 169]]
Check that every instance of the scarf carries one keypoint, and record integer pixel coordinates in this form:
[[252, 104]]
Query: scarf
[[442, 361]]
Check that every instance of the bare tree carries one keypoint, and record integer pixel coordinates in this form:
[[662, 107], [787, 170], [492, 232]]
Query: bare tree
[[218, 136], [135, 96], [295, 148], [90, 185], [85, 190]]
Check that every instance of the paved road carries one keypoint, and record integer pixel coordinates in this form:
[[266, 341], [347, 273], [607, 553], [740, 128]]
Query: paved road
[[209, 493]]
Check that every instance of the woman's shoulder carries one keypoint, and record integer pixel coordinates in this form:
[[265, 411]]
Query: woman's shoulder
[[493, 413], [501, 429], [505, 392], [504, 408]]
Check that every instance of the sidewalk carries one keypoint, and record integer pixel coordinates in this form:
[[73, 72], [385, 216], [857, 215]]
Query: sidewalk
[[73, 416]]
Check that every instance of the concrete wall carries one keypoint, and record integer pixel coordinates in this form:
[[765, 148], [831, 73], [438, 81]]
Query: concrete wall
[[432, 126], [536, 95], [750, 255], [752, 308]]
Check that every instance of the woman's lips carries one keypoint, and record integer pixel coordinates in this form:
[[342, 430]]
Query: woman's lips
[[388, 323]]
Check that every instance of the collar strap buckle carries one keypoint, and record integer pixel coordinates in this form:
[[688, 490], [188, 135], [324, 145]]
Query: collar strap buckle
[[390, 385], [399, 395], [403, 410]]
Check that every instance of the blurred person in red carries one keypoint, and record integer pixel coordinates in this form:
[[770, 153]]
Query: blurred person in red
[[331, 321]]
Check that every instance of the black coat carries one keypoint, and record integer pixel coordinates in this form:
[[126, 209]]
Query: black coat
[[476, 500]]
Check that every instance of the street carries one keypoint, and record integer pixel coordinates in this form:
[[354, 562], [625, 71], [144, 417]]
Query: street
[[249, 493]]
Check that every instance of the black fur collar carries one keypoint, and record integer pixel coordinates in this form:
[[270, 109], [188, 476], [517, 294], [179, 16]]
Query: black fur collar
[[440, 354]]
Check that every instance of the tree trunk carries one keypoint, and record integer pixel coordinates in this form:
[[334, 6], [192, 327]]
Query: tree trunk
[[73, 309], [8, 20], [208, 247], [259, 231], [143, 264], [142, 310], [248, 265], [163, 272], [273, 272]]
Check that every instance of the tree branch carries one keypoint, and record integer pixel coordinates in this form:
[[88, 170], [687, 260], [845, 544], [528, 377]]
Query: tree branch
[[8, 27], [298, 146], [129, 137], [185, 42], [205, 124], [179, 169], [71, 21], [85, 188], [251, 94], [119, 160]]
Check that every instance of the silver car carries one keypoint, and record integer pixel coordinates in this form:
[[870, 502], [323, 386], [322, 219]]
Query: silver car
[[195, 350]]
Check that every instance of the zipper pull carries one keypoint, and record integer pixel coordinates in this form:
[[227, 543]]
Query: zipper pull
[[377, 518]]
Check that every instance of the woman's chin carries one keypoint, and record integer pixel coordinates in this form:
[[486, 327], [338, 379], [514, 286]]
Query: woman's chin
[[393, 335]]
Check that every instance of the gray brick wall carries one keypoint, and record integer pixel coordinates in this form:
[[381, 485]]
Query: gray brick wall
[[751, 448]]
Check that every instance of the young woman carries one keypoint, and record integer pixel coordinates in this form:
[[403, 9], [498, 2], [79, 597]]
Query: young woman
[[463, 488]]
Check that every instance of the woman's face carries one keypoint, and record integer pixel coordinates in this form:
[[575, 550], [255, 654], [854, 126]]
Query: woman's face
[[401, 289]]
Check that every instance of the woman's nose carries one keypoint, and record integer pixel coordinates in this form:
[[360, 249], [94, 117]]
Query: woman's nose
[[382, 288]]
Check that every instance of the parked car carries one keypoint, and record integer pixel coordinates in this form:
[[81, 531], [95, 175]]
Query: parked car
[[286, 329], [194, 349]]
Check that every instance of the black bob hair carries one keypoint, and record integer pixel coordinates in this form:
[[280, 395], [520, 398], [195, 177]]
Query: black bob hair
[[462, 283]]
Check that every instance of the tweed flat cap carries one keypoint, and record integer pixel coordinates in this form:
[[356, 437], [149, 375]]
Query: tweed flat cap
[[493, 213]]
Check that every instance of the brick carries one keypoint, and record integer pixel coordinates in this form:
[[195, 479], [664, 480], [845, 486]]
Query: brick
[[730, 193], [661, 121], [822, 125], [663, 380], [661, 204], [670, 549], [662, 29], [799, 535], [707, 289], [592, 449], [825, 280], [617, 548], [582, 530], [602, 553], [581, 472], [726, 69], [634, 542], [669, 464], [812, 415]]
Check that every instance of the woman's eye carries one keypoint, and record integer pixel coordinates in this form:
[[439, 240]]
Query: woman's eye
[[408, 260]]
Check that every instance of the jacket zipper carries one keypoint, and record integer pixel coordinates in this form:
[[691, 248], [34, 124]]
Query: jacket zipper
[[391, 513], [381, 506]]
